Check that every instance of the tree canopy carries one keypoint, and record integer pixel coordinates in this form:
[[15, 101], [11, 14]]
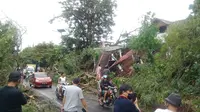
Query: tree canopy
[[44, 54], [88, 21], [9, 42], [146, 40]]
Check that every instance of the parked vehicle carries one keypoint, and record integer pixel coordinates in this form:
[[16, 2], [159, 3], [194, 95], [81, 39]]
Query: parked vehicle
[[110, 98], [63, 86], [40, 79], [32, 66]]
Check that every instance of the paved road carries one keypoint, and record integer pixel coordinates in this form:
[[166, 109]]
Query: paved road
[[93, 105]]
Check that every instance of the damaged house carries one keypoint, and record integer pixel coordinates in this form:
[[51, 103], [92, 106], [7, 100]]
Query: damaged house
[[120, 59]]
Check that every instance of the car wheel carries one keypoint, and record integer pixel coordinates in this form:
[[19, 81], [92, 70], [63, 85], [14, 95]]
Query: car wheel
[[50, 86]]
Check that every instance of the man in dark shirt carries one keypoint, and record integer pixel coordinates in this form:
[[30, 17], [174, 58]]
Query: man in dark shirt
[[123, 104], [104, 86], [11, 99]]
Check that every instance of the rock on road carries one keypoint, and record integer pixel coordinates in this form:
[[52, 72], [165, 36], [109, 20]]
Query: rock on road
[[92, 103]]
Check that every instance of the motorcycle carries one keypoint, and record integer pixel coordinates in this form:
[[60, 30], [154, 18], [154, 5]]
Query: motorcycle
[[63, 88], [110, 98]]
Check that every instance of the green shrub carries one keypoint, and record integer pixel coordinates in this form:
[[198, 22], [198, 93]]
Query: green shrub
[[55, 78], [178, 72], [29, 108]]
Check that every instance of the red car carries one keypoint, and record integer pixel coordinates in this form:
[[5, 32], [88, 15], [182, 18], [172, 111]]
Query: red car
[[40, 79]]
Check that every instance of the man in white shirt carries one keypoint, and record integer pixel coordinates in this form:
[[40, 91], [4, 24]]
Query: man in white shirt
[[173, 102], [61, 80], [73, 98]]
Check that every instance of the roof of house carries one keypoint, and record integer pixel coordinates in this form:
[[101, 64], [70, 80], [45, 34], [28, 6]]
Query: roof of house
[[155, 20], [124, 57]]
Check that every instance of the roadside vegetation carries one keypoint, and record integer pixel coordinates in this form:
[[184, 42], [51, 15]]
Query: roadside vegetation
[[169, 66], [175, 66]]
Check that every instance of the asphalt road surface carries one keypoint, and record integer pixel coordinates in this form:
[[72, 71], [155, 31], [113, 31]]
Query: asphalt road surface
[[91, 100]]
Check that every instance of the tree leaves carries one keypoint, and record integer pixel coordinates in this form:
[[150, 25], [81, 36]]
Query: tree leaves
[[146, 40], [45, 54], [8, 39], [88, 22]]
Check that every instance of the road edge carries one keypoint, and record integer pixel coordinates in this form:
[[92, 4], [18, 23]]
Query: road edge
[[57, 104]]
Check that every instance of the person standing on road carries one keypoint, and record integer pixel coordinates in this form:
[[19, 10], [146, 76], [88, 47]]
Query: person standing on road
[[73, 97], [123, 104], [98, 73], [173, 102], [98, 79], [11, 99]]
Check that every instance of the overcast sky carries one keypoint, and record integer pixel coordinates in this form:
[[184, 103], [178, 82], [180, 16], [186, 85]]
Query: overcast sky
[[35, 14]]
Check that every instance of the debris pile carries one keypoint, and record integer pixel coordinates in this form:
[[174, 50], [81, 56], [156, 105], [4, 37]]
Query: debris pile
[[88, 82]]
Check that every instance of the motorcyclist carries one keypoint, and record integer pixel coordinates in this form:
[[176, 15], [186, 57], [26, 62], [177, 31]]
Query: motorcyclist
[[61, 80], [104, 86]]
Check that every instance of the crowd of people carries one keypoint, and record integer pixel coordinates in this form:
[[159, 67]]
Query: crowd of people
[[12, 99]]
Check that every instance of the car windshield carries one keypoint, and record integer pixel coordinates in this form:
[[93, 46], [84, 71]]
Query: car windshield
[[41, 75], [30, 69]]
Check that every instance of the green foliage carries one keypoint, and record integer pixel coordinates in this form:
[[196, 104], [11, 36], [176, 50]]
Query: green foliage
[[117, 81], [55, 78], [183, 64], [179, 71], [71, 63], [195, 7], [89, 21], [77, 61], [8, 56], [46, 54], [40, 105], [31, 107], [146, 40], [50, 55]]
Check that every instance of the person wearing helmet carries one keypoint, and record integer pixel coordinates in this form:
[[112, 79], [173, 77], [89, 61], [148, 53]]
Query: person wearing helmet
[[173, 102], [104, 86]]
